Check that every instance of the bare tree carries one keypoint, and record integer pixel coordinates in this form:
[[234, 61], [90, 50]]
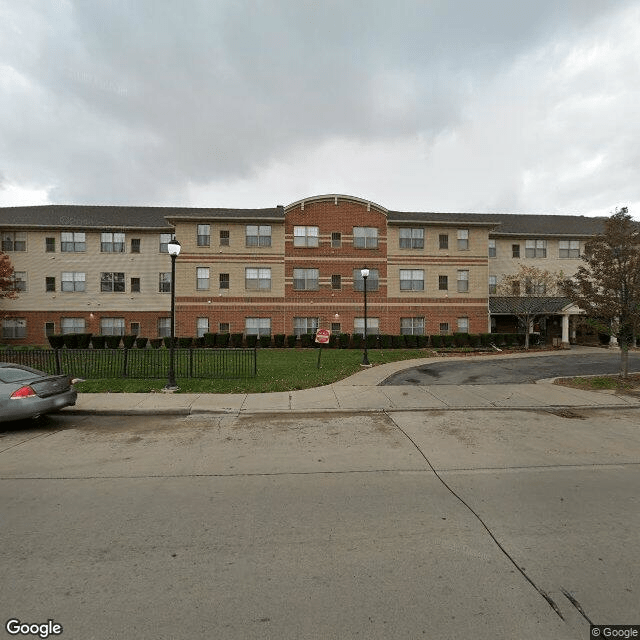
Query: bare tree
[[528, 294], [607, 287]]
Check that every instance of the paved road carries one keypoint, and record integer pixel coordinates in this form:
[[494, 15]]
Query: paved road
[[391, 525], [512, 370]]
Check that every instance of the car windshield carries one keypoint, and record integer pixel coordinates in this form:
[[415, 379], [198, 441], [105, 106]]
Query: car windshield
[[11, 374]]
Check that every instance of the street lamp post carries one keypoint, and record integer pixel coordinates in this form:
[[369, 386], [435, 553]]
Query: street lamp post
[[365, 274], [174, 250]]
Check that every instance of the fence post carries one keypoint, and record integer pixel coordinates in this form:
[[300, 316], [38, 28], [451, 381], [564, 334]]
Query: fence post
[[126, 360], [58, 365], [255, 362], [191, 362]]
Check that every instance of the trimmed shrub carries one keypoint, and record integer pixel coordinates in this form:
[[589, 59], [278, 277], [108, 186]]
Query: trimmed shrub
[[252, 340], [98, 342], [291, 341], [84, 340], [474, 340], [128, 341], [70, 340], [385, 341], [112, 342], [56, 341], [486, 339], [344, 340], [279, 340], [410, 341], [156, 343], [209, 340], [185, 342], [447, 341], [423, 342], [461, 339], [141, 343], [306, 340], [222, 339], [436, 341], [397, 342], [372, 341], [334, 341], [236, 339], [265, 341], [357, 341]]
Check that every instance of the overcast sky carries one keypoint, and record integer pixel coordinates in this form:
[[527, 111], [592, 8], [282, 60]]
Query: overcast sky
[[430, 105]]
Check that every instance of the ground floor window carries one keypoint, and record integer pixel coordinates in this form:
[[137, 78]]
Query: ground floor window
[[373, 326], [412, 326], [112, 326], [444, 328], [202, 327], [164, 327], [72, 325], [14, 328], [258, 326], [463, 325], [305, 325]]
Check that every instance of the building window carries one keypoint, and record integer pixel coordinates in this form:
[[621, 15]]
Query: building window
[[336, 328], [492, 248], [365, 237], [515, 250], [112, 326], [72, 325], [443, 241], [164, 327], [515, 287], [411, 280], [305, 325], [443, 283], [569, 248], [135, 245], [258, 326], [224, 238], [257, 279], [204, 235], [412, 326], [372, 280], [202, 327], [412, 238], [336, 239], [164, 282], [463, 239], [305, 236], [373, 326], [73, 241], [258, 235], [463, 325], [49, 328], [50, 245], [165, 239], [135, 285], [224, 327], [532, 288], [135, 328], [110, 282], [493, 285], [224, 280], [463, 280], [14, 328], [535, 248], [49, 284], [336, 282], [112, 242], [14, 240], [202, 278], [306, 279], [444, 328], [76, 281], [19, 280]]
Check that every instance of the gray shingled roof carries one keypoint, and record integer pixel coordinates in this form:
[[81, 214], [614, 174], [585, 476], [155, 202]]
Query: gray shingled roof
[[507, 304]]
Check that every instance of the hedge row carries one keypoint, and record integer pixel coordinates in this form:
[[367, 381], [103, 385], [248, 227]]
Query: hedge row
[[280, 340]]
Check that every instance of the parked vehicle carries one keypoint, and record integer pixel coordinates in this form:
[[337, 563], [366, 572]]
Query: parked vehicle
[[29, 393]]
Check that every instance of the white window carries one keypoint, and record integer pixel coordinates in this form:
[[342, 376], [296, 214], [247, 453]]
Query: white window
[[463, 325], [202, 278], [164, 282], [372, 280], [373, 326], [202, 326], [412, 326], [463, 280], [257, 279], [204, 235], [411, 279], [20, 280], [305, 236], [14, 328], [336, 239], [164, 327], [14, 240], [112, 282], [112, 326], [535, 249], [304, 325], [72, 325], [569, 248], [73, 281], [258, 235], [365, 237], [493, 285], [306, 279], [444, 328], [463, 239], [112, 242], [73, 241], [492, 248], [412, 238], [165, 239], [258, 326]]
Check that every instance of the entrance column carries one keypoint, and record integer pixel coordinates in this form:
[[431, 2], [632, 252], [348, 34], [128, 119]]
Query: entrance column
[[565, 330]]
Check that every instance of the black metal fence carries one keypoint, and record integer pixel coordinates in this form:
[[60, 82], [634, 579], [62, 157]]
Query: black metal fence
[[138, 363]]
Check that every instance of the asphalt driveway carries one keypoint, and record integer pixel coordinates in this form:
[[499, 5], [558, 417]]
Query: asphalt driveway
[[513, 370]]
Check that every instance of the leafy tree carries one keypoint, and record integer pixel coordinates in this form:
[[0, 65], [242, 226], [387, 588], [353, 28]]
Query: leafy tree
[[607, 287], [529, 295], [7, 285]]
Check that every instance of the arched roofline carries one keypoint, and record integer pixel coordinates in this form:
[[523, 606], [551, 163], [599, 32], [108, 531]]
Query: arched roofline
[[336, 197]]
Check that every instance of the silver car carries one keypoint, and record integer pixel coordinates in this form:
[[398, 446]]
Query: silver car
[[28, 393]]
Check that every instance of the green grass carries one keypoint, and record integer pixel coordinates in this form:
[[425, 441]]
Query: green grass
[[278, 370], [596, 383]]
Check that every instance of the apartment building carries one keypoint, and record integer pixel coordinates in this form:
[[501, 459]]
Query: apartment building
[[286, 269]]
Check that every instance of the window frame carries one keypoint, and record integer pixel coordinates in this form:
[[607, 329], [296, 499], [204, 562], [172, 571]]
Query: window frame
[[74, 287], [373, 280], [75, 241], [492, 248], [443, 241], [415, 284], [462, 276], [203, 278], [462, 236], [309, 277], [203, 239], [117, 323], [262, 328], [372, 329], [443, 280], [306, 239], [572, 252], [13, 241], [538, 250], [113, 242], [117, 282], [70, 324], [412, 326], [262, 282], [201, 329], [14, 328], [365, 237], [311, 325], [413, 237], [262, 237]]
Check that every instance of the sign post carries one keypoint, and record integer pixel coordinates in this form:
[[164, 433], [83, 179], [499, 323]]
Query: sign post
[[322, 338]]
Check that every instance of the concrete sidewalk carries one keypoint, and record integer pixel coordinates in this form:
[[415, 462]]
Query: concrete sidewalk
[[359, 392]]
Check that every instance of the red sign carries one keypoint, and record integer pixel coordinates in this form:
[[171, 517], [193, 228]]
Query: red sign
[[322, 336]]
